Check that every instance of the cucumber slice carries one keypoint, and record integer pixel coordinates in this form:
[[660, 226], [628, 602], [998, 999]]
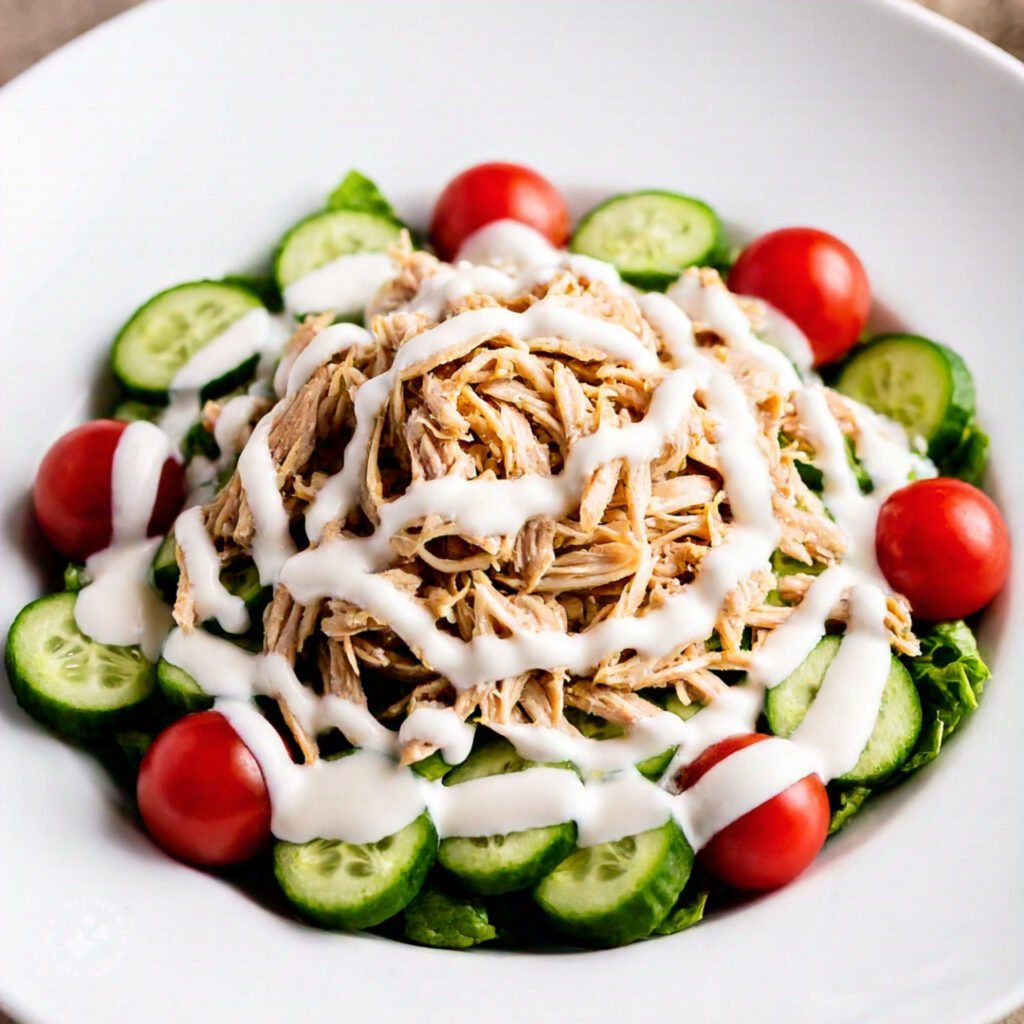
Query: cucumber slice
[[356, 885], [495, 756], [503, 863], [896, 729], [679, 709], [180, 689], [433, 767], [69, 682], [497, 864], [919, 383], [164, 571], [653, 767], [76, 576], [324, 237], [241, 578], [170, 328], [618, 892], [595, 728], [651, 237], [130, 410]]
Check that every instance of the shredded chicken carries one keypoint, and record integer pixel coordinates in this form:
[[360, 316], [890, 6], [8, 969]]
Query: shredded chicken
[[504, 409]]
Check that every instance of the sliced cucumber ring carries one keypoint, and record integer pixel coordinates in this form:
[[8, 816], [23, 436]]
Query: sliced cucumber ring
[[917, 382], [651, 237], [495, 756], [241, 578], [131, 410], [69, 682], [518, 860], [618, 892], [896, 729], [324, 237], [433, 767], [595, 728], [164, 571], [180, 689], [170, 328], [502, 863], [356, 885]]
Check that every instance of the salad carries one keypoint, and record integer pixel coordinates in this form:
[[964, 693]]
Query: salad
[[527, 584]]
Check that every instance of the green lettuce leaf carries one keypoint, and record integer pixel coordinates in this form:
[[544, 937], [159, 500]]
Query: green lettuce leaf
[[846, 801], [262, 285], [970, 456], [687, 912], [75, 577], [436, 919], [950, 676], [357, 192]]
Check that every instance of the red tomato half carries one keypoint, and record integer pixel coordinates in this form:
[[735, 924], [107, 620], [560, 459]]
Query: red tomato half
[[815, 279], [72, 492], [496, 191], [201, 792], [770, 845], [944, 545]]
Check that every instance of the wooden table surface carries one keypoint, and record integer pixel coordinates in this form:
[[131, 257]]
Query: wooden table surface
[[30, 29]]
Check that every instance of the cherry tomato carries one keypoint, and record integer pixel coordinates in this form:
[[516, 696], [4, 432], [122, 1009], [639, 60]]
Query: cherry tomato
[[815, 279], [944, 545], [73, 490], [497, 191], [201, 792], [770, 845]]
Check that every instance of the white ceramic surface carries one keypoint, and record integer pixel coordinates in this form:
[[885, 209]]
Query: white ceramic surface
[[182, 138]]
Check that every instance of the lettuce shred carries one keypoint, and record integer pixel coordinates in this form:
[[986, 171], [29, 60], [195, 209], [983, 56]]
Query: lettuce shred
[[950, 676]]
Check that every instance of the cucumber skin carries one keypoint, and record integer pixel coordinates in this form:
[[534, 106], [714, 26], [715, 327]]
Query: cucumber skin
[[653, 767], [782, 722], [58, 716], [164, 572], [373, 912], [290, 234], [508, 878], [655, 280], [960, 410], [180, 690], [432, 768], [159, 396], [641, 913]]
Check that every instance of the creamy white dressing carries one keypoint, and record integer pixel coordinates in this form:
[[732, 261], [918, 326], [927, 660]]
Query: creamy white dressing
[[716, 307], [331, 341], [345, 285], [365, 796], [118, 606], [212, 599], [456, 337], [233, 417], [246, 337], [272, 544], [780, 332]]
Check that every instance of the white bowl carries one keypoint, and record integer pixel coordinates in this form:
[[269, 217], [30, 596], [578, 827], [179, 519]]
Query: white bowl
[[181, 139]]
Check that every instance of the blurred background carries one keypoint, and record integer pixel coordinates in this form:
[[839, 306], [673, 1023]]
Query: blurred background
[[30, 29]]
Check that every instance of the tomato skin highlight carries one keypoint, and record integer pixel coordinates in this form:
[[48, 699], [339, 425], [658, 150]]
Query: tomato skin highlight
[[72, 494], [772, 844], [944, 545], [201, 793], [816, 279], [496, 191]]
